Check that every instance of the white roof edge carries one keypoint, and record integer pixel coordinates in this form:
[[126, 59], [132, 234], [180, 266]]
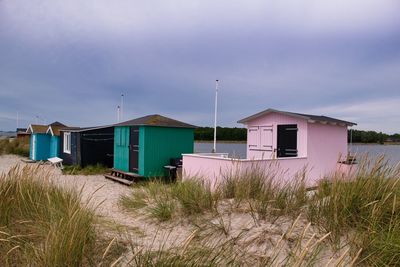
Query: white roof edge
[[292, 114], [50, 129], [29, 128]]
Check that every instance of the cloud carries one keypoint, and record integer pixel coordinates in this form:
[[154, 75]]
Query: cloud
[[70, 60]]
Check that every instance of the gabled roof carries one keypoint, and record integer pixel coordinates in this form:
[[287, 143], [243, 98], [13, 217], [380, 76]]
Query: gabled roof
[[308, 117], [55, 127], [57, 123], [155, 120], [83, 129], [54, 130], [36, 128]]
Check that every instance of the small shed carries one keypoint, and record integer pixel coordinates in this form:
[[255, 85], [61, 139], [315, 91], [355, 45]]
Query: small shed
[[39, 142], [23, 136], [287, 142], [281, 134], [40, 147], [54, 131], [87, 146], [145, 145]]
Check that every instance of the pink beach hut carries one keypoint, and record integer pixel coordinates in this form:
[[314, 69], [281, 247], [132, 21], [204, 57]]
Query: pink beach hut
[[291, 142]]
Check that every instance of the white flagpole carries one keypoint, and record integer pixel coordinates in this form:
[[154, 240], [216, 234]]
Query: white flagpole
[[215, 117], [118, 114], [122, 107]]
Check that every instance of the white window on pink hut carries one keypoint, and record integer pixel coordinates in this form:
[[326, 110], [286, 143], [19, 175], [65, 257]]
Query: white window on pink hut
[[260, 138]]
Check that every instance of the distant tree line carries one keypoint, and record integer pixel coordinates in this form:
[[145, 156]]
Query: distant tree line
[[223, 134], [240, 134], [359, 136]]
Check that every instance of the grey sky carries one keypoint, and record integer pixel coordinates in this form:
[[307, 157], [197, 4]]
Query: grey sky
[[70, 60]]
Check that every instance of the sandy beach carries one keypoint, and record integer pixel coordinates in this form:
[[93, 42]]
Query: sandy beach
[[261, 238]]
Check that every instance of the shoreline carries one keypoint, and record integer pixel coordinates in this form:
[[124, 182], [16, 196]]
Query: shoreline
[[244, 142], [220, 141]]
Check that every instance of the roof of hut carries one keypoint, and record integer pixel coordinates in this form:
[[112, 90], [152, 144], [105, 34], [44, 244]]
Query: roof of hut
[[55, 127], [57, 123], [36, 128], [155, 120], [308, 117], [83, 129]]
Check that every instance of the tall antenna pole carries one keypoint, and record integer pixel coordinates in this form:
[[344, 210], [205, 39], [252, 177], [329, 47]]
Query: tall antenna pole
[[118, 114], [351, 139], [17, 119], [215, 117], [122, 107]]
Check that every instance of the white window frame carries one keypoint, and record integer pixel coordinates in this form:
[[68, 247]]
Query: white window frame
[[67, 143]]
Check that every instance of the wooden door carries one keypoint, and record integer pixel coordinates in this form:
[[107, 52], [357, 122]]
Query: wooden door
[[134, 150], [287, 140], [121, 148]]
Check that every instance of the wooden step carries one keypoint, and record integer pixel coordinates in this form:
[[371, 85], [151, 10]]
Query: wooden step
[[125, 175], [119, 180]]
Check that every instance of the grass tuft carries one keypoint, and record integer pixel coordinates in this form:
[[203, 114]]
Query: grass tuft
[[14, 146], [87, 170], [366, 209], [44, 225], [167, 200], [264, 193]]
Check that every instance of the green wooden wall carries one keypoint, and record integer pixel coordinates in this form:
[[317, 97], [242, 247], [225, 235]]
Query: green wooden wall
[[160, 145], [121, 148], [157, 145]]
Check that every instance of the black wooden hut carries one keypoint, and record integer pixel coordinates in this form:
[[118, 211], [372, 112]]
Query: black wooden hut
[[87, 146]]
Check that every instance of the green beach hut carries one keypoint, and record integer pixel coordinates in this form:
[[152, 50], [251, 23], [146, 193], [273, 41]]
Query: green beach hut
[[145, 145]]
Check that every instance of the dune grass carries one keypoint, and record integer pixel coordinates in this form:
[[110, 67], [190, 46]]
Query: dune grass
[[14, 146], [264, 193], [44, 225], [165, 201], [361, 212], [87, 170], [201, 249], [366, 209]]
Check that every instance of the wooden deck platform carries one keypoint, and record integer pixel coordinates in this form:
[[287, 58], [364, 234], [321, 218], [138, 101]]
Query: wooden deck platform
[[122, 177]]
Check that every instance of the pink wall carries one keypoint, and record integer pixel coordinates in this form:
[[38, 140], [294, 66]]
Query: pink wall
[[327, 144], [213, 169], [272, 120]]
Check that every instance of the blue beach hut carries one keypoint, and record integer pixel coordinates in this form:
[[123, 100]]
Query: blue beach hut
[[54, 131], [41, 142]]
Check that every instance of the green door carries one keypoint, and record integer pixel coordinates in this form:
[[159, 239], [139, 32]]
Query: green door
[[121, 148]]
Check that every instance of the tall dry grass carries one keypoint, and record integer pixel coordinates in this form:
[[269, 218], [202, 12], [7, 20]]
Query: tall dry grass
[[363, 211], [87, 170], [201, 249], [14, 146], [165, 201], [44, 225], [264, 192], [360, 214]]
